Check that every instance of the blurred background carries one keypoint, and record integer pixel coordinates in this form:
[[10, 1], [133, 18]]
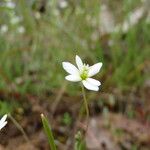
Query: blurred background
[[36, 36]]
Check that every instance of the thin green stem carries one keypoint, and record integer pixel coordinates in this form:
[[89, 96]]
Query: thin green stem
[[86, 105], [19, 127]]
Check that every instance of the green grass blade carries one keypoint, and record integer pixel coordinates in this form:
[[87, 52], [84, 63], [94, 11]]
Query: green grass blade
[[48, 132], [79, 142]]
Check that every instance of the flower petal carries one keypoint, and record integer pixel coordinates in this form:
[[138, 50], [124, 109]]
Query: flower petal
[[3, 121], [93, 81], [3, 118], [70, 68], [90, 86], [73, 78], [94, 69], [79, 62], [2, 124]]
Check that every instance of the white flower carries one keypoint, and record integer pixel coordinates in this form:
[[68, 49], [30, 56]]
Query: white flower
[[3, 121], [83, 73], [37, 15], [15, 19], [21, 29], [10, 4], [4, 28], [63, 4]]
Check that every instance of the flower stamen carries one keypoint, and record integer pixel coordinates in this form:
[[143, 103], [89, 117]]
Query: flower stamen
[[84, 73]]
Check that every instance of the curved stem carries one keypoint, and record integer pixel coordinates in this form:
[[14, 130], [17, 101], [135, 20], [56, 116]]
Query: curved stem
[[19, 127], [86, 105]]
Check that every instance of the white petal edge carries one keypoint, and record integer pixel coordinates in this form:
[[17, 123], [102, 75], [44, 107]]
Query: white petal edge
[[90, 86], [93, 81], [73, 78], [94, 69], [3, 125], [70, 68], [3, 118], [79, 62]]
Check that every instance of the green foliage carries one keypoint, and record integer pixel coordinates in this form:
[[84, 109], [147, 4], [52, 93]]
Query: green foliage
[[79, 138], [79, 142], [6, 107], [118, 132], [48, 132], [129, 60], [134, 147], [31, 60], [67, 119]]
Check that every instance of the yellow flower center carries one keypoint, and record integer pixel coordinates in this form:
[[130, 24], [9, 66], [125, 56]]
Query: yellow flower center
[[84, 74]]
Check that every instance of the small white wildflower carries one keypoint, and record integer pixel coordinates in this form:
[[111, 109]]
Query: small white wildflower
[[3, 121], [4, 28], [37, 15], [10, 4], [15, 19], [21, 29], [83, 73], [63, 4], [56, 12]]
